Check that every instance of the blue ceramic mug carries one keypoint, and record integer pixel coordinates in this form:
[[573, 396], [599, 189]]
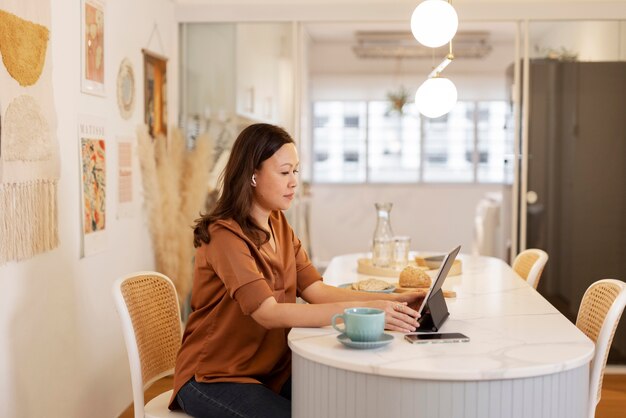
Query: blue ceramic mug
[[361, 324]]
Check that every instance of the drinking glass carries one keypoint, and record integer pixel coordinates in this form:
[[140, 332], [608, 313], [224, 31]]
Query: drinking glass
[[382, 253], [401, 246]]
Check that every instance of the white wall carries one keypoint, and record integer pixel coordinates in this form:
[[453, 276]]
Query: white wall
[[61, 347], [436, 217], [375, 87], [590, 40], [337, 73]]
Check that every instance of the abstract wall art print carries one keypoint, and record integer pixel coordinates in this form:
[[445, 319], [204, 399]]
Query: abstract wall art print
[[93, 184]]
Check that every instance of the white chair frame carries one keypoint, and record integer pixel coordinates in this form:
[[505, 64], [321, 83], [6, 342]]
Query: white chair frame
[[604, 340], [534, 274], [157, 407]]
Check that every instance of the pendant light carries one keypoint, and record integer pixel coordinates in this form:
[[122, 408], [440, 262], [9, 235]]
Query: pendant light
[[434, 23], [436, 97]]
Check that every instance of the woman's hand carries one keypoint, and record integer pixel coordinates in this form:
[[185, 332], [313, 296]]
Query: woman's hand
[[398, 315], [413, 299]]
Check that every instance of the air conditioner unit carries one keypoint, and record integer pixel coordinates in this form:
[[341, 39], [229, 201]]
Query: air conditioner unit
[[402, 44]]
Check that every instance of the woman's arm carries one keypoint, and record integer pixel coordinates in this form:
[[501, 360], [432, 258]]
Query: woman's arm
[[398, 316], [319, 292]]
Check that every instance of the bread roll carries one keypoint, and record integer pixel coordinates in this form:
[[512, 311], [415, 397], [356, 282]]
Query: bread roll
[[414, 277]]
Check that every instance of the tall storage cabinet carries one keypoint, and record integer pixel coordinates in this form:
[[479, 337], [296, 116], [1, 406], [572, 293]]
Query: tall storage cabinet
[[577, 167], [238, 70]]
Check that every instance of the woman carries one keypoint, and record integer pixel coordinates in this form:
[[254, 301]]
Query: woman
[[249, 268]]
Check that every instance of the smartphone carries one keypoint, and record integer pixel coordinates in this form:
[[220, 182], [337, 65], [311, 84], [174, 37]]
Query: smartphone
[[450, 337]]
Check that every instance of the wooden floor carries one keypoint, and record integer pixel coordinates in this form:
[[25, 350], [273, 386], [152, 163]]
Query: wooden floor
[[612, 404], [157, 388]]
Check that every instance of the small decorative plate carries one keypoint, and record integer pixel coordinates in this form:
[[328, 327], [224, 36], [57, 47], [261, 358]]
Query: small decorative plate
[[390, 289], [126, 89], [384, 340]]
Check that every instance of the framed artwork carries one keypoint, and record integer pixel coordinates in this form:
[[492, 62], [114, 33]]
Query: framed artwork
[[92, 45], [91, 134], [126, 89], [125, 194], [155, 93]]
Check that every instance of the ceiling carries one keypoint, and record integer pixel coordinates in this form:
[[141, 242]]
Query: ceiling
[[393, 40], [345, 31]]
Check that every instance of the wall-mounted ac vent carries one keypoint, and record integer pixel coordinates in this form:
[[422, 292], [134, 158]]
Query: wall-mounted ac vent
[[402, 44]]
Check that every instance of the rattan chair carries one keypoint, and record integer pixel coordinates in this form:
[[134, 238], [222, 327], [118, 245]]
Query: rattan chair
[[148, 308], [599, 313], [529, 264]]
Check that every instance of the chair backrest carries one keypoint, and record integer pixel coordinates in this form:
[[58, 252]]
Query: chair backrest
[[148, 308], [600, 310], [529, 264]]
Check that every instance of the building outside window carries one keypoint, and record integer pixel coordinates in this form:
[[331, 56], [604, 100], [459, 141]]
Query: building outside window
[[339, 154], [363, 142]]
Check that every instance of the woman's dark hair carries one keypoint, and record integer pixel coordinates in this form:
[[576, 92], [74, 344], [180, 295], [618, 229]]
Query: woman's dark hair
[[255, 144]]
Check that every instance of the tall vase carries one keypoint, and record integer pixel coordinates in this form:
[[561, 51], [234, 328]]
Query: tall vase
[[382, 243]]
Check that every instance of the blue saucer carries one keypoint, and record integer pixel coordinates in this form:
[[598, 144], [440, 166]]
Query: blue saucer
[[384, 340]]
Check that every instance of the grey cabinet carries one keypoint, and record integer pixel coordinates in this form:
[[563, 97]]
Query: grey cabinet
[[577, 167]]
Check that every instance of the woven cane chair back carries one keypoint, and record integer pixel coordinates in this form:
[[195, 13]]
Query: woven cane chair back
[[599, 313], [529, 265], [148, 307]]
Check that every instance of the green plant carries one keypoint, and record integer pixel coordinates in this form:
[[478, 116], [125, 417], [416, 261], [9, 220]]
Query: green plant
[[398, 99]]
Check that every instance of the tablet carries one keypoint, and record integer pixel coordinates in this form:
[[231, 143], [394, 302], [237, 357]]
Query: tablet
[[442, 273]]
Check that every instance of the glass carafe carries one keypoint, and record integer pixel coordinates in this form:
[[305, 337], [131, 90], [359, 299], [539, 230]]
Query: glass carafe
[[382, 244]]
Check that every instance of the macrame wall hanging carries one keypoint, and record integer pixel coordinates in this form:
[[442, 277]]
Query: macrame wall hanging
[[29, 151]]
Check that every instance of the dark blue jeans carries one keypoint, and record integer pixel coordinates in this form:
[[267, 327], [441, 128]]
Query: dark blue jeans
[[242, 400]]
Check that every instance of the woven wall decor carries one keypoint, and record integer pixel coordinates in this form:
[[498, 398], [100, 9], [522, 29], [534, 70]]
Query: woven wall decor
[[26, 135], [29, 151], [23, 46]]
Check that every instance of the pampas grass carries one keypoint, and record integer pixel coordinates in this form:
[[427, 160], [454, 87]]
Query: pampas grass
[[175, 184]]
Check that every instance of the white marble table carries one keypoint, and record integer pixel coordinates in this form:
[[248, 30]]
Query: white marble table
[[525, 359]]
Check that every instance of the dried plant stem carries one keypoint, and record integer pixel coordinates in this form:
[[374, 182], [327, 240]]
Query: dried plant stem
[[175, 184]]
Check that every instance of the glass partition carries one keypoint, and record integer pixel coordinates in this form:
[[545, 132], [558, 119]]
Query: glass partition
[[576, 200]]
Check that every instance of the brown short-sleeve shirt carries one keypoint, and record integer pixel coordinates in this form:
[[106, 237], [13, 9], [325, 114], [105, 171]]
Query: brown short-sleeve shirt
[[232, 277]]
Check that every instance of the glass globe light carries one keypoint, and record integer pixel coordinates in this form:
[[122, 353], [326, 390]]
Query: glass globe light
[[435, 97], [434, 23]]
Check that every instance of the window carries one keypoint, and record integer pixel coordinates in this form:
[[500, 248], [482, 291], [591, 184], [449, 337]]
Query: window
[[493, 142], [339, 133], [392, 145], [359, 142], [446, 141]]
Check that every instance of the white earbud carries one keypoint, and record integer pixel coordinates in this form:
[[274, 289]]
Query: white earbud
[[253, 181]]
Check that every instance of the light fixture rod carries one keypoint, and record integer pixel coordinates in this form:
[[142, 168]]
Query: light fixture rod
[[435, 73], [446, 61]]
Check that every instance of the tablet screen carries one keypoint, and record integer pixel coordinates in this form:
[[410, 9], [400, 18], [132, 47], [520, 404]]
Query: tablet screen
[[442, 273]]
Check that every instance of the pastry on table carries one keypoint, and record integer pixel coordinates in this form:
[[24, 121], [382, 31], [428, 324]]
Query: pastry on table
[[414, 279], [371, 285], [412, 276]]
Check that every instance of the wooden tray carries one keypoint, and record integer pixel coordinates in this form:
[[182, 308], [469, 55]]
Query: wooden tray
[[446, 293], [365, 266]]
